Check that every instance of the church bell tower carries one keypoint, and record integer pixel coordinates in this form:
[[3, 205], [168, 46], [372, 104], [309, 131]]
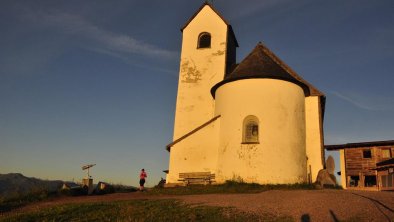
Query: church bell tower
[[208, 54]]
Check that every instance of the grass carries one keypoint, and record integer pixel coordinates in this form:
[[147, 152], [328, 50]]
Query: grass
[[229, 187], [120, 188], [19, 200], [140, 210], [149, 210]]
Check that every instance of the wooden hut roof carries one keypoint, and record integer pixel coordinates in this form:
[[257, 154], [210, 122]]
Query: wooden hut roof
[[359, 145]]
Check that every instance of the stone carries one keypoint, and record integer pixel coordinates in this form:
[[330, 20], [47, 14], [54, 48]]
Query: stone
[[324, 178], [330, 165]]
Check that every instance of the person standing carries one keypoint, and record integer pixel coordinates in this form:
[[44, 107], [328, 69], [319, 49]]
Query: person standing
[[142, 179]]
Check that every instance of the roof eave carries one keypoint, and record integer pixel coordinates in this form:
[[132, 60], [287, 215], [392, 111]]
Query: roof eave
[[359, 145], [223, 82]]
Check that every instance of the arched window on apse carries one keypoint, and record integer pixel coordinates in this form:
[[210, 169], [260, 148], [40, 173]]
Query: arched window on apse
[[250, 130], [204, 40]]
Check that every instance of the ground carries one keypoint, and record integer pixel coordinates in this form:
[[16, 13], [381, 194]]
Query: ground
[[302, 205]]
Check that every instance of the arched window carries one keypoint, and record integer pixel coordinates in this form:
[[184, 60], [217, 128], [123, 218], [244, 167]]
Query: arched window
[[204, 40], [250, 130]]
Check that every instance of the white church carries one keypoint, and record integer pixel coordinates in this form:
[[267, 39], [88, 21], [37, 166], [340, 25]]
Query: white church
[[257, 121]]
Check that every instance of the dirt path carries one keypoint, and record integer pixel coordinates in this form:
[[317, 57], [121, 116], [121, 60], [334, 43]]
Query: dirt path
[[302, 205], [308, 205]]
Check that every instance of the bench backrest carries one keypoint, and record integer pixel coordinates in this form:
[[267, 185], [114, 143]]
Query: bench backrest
[[196, 175]]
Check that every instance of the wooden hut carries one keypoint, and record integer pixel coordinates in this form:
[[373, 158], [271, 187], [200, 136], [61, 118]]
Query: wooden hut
[[366, 165]]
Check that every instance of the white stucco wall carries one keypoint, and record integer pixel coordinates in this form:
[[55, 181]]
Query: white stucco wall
[[200, 69], [314, 136], [280, 157], [196, 153], [343, 168]]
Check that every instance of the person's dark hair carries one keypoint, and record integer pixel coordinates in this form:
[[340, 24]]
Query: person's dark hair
[[143, 169]]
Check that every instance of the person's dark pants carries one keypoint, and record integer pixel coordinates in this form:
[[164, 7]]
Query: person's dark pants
[[142, 182]]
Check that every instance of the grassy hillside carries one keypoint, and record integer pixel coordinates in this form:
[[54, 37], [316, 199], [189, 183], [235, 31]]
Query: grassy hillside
[[17, 190], [14, 185]]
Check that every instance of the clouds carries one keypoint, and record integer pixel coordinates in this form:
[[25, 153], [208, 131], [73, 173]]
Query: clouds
[[100, 38], [367, 101], [33, 38]]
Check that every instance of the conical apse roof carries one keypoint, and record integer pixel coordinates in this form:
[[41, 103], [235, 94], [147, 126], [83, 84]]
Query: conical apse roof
[[262, 63]]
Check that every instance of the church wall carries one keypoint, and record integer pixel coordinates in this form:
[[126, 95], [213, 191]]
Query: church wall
[[231, 56], [200, 69], [314, 136], [343, 169], [196, 153], [279, 157]]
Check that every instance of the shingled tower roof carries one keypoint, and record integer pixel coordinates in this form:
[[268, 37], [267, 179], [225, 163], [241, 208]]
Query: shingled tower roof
[[206, 3], [262, 63]]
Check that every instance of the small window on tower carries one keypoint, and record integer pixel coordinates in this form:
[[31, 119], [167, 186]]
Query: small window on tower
[[204, 40], [250, 130]]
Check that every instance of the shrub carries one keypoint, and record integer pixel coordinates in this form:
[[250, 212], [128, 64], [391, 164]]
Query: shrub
[[75, 191]]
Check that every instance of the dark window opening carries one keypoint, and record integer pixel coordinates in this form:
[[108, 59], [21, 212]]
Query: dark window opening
[[353, 181], [367, 154], [370, 181], [204, 41], [250, 130]]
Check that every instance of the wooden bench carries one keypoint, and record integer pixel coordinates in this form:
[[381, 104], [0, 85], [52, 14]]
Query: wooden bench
[[197, 178]]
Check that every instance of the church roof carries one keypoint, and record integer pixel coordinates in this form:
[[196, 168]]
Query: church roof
[[230, 29], [262, 63]]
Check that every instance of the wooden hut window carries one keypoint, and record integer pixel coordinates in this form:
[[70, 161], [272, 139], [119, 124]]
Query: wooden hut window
[[353, 181], [367, 154], [370, 181], [386, 153], [204, 40], [250, 130]]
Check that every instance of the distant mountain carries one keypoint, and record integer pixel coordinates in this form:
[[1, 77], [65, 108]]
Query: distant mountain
[[15, 184]]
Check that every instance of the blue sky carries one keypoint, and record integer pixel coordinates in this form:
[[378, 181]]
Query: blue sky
[[95, 81]]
